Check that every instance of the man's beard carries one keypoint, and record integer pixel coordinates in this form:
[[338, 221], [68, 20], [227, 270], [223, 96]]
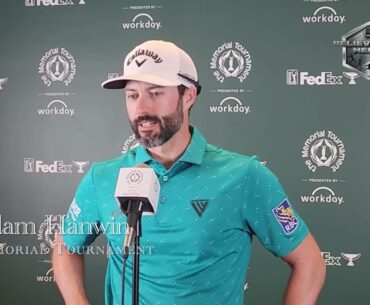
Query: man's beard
[[168, 126]]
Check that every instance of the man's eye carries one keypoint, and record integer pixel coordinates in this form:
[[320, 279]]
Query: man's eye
[[156, 93], [132, 96]]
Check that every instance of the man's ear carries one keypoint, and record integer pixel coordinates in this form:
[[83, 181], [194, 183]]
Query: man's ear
[[189, 97]]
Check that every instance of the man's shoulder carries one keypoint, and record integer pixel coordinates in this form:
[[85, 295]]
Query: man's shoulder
[[222, 154]]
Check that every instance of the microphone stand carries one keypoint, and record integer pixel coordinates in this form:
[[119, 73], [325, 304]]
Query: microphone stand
[[136, 264]]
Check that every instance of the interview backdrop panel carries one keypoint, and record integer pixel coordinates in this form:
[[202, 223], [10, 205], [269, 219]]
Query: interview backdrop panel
[[285, 80]]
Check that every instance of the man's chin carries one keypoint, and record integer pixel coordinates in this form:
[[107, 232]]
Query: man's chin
[[150, 143]]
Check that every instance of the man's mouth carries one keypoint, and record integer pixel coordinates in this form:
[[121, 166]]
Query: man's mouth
[[147, 124]]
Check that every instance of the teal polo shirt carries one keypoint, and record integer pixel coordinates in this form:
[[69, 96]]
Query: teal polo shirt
[[196, 249]]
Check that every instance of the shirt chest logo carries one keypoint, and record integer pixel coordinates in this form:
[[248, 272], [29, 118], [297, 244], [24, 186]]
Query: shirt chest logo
[[199, 206]]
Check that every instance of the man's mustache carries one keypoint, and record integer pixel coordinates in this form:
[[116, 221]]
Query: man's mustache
[[146, 117]]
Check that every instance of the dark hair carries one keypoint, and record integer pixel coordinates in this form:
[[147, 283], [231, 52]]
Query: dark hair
[[181, 89]]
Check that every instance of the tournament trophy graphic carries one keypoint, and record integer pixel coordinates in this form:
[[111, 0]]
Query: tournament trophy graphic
[[350, 258], [351, 76], [80, 165]]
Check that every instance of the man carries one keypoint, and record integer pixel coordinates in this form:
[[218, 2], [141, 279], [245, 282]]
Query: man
[[211, 202]]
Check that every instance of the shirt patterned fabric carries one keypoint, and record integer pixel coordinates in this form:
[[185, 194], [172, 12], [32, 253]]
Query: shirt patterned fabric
[[196, 249]]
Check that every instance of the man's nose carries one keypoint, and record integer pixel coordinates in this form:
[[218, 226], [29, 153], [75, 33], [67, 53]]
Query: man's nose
[[143, 105]]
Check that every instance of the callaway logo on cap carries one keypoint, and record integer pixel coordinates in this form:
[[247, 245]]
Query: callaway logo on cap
[[157, 62]]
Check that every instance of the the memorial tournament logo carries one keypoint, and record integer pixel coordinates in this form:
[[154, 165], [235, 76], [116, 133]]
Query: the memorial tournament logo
[[142, 21], [324, 14], [48, 230], [129, 144], [231, 60], [56, 108], [323, 149], [322, 195], [57, 65], [230, 104], [134, 177], [356, 51]]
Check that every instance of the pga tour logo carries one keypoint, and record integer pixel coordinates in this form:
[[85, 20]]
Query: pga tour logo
[[56, 108], [50, 2], [57, 65], [230, 105], [231, 60], [57, 167], [323, 149], [322, 195], [142, 21], [324, 14], [295, 77]]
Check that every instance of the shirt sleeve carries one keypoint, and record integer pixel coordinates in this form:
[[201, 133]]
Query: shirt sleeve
[[268, 212], [81, 224]]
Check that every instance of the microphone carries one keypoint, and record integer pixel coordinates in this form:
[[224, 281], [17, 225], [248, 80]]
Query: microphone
[[137, 193]]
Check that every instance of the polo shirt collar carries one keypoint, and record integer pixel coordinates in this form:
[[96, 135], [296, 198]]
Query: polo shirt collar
[[194, 153]]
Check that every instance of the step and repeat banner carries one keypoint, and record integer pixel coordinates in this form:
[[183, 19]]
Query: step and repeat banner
[[285, 80]]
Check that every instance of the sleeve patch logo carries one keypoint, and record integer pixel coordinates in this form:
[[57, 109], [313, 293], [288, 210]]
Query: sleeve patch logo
[[286, 217], [74, 210]]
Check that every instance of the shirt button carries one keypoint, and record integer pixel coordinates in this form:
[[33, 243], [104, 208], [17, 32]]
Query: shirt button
[[165, 178], [163, 199]]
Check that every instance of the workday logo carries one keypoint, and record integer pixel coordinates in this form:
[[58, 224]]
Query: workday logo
[[324, 14], [230, 105], [142, 21], [47, 277], [56, 108], [322, 195]]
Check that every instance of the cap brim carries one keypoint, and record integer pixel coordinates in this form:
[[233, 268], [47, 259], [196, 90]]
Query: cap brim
[[120, 81], [114, 83]]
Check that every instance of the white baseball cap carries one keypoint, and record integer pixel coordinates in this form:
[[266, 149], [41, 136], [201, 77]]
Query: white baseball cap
[[157, 62]]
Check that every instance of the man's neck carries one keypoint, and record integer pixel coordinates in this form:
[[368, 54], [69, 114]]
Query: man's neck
[[171, 151]]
